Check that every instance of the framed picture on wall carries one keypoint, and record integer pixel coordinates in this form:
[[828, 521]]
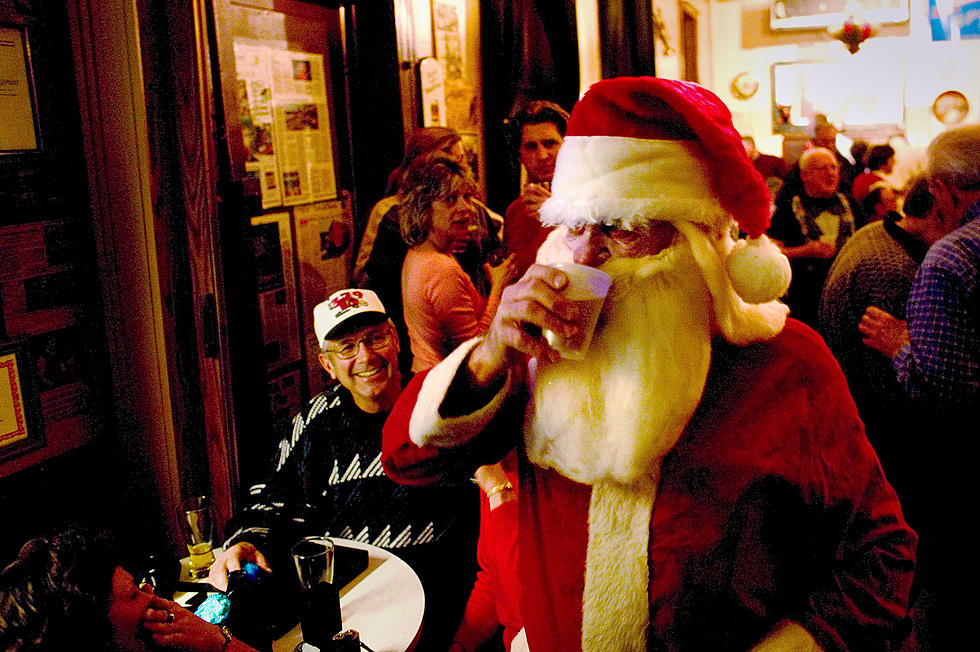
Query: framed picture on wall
[[859, 94], [21, 426], [18, 104]]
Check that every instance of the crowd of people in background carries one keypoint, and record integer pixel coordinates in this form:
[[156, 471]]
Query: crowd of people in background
[[447, 306]]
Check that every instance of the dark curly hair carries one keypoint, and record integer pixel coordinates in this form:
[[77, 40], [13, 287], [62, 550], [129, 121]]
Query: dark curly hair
[[919, 200], [423, 141], [56, 594], [429, 178], [532, 113], [879, 155]]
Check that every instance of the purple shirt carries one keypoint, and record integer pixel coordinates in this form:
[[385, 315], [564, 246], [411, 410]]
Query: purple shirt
[[942, 363]]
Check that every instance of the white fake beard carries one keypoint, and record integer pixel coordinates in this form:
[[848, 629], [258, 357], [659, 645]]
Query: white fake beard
[[609, 416]]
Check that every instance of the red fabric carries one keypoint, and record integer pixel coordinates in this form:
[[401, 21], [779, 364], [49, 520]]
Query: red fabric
[[861, 187], [402, 460], [667, 109], [495, 599], [771, 506], [523, 234]]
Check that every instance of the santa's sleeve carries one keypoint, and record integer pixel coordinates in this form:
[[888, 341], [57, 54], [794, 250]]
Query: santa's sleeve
[[440, 432], [864, 598]]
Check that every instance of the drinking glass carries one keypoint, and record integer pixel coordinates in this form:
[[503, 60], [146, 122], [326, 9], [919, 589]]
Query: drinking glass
[[320, 615], [587, 287], [313, 557], [198, 527]]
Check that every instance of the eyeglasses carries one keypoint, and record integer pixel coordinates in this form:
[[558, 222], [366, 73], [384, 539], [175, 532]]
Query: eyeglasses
[[374, 340]]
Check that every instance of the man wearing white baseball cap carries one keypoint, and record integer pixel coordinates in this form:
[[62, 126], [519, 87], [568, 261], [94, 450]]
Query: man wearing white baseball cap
[[327, 477]]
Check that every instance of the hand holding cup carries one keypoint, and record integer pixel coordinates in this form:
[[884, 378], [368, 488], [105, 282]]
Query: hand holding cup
[[587, 287], [535, 304]]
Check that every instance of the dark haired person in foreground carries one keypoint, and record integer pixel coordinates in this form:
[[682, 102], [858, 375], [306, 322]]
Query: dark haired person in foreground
[[68, 592]]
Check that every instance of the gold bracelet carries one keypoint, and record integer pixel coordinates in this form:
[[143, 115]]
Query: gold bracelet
[[507, 486], [227, 634]]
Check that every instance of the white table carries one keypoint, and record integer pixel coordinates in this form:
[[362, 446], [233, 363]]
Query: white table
[[384, 604]]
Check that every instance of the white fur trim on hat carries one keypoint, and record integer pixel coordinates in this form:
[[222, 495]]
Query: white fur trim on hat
[[630, 181]]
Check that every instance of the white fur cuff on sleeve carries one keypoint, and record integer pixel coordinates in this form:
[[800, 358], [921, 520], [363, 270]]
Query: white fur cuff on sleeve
[[428, 426]]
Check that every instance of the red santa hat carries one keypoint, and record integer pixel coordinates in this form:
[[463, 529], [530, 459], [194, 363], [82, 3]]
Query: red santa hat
[[639, 149]]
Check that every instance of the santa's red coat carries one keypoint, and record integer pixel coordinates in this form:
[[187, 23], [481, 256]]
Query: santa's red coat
[[772, 506]]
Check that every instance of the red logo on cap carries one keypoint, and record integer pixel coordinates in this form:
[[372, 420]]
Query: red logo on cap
[[348, 300]]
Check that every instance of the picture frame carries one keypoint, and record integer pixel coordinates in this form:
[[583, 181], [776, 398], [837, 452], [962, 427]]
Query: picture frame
[[807, 14], [20, 131], [860, 96], [21, 423]]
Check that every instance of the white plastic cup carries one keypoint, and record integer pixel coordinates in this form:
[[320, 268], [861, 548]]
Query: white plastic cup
[[587, 287]]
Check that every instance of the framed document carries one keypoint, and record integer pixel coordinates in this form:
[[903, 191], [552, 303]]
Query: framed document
[[21, 427], [18, 129]]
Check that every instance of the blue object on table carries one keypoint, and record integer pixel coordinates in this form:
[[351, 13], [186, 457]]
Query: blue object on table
[[215, 608], [252, 570]]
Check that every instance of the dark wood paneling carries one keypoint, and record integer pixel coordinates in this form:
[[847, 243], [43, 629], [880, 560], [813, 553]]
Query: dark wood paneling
[[80, 475], [188, 154], [530, 52], [626, 40]]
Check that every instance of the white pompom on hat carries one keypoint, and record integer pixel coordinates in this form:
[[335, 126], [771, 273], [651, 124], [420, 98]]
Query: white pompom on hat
[[639, 149]]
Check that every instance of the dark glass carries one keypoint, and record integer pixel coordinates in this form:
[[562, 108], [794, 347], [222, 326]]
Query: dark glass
[[320, 615], [249, 617]]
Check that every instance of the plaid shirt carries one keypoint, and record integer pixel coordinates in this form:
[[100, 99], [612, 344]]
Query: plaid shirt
[[942, 364]]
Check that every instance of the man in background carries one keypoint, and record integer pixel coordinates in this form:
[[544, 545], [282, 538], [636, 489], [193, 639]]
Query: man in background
[[811, 228], [876, 268], [541, 129], [936, 355], [825, 136]]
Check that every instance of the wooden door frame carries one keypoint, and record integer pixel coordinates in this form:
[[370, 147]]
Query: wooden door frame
[[132, 246]]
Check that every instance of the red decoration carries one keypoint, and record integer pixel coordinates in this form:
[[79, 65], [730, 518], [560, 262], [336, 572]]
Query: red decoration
[[853, 34]]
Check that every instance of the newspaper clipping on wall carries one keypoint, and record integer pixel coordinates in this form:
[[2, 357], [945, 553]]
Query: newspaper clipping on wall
[[285, 124]]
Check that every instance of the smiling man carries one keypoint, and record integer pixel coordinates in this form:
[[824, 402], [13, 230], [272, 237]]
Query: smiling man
[[327, 476]]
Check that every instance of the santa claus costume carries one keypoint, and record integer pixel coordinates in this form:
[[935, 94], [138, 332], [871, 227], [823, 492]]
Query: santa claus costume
[[701, 480]]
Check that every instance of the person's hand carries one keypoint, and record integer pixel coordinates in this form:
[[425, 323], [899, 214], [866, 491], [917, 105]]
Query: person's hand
[[883, 332], [501, 275], [534, 195], [821, 249], [172, 626], [812, 249], [526, 308], [233, 559]]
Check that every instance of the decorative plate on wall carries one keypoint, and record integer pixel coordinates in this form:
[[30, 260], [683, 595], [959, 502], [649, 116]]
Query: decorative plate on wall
[[951, 107], [744, 85]]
